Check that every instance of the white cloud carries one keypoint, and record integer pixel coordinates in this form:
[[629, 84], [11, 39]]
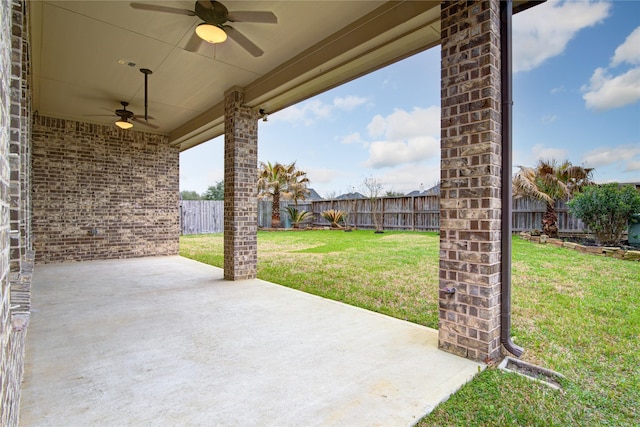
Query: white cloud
[[325, 180], [633, 166], [308, 112], [409, 137], [409, 177], [545, 30], [354, 138], [419, 122], [603, 156], [549, 118], [322, 175], [393, 153], [557, 89], [348, 103], [377, 126], [539, 152], [605, 92], [629, 51]]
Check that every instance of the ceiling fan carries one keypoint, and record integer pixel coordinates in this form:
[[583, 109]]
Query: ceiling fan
[[126, 115], [126, 118], [214, 28]]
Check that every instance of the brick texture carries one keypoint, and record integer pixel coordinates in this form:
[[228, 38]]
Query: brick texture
[[6, 363], [16, 260], [100, 192], [470, 203], [240, 191]]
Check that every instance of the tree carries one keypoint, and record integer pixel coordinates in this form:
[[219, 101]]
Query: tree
[[189, 195], [549, 181], [276, 180], [606, 210], [297, 186], [373, 190], [215, 192]]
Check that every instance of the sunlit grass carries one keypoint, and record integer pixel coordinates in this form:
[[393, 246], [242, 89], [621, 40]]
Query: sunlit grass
[[578, 314]]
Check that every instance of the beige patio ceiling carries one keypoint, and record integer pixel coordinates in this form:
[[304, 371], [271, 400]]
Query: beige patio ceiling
[[81, 51], [77, 47]]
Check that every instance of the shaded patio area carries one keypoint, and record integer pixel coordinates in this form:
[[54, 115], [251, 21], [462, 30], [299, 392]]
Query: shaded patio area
[[167, 341]]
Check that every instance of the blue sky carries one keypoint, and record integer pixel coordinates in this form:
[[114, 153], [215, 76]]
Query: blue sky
[[576, 96]]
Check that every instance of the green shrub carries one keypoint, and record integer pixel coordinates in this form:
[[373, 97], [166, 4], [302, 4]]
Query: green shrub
[[297, 216], [334, 216], [606, 210]]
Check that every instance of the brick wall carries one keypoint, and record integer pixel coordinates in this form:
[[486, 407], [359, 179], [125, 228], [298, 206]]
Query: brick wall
[[20, 139], [5, 131], [16, 258], [470, 199], [100, 192]]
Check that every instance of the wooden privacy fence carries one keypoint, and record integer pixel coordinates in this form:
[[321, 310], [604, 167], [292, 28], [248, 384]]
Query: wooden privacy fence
[[201, 216], [265, 208], [527, 215], [417, 213]]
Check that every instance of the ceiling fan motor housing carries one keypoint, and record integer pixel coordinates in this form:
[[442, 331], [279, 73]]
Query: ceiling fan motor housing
[[217, 14], [124, 113]]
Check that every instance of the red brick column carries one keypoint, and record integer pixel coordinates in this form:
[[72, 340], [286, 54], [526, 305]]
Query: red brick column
[[240, 188], [470, 200]]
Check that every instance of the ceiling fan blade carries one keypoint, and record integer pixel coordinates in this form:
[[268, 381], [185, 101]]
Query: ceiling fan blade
[[142, 122], [157, 8], [138, 117], [243, 41], [194, 43], [250, 16]]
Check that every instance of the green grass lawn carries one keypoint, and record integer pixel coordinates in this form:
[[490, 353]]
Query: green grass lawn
[[575, 313]]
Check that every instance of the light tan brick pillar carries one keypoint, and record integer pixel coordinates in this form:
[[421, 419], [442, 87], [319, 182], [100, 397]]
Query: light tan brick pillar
[[240, 188], [470, 200]]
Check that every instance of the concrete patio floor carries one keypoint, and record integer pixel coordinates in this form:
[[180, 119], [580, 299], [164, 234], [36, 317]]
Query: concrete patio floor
[[167, 341]]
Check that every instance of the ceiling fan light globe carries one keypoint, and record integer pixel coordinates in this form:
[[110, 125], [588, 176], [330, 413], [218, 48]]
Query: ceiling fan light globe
[[211, 33], [124, 124]]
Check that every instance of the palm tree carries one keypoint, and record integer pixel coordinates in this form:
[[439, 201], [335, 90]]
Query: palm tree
[[297, 186], [549, 181], [272, 182], [276, 180]]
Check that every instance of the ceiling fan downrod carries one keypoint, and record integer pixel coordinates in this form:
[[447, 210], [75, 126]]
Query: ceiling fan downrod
[[146, 73]]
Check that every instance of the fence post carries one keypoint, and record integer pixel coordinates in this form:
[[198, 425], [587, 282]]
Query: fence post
[[355, 211], [413, 213]]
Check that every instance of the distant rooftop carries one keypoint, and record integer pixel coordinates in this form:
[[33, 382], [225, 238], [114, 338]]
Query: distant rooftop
[[433, 191], [350, 196], [313, 195]]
